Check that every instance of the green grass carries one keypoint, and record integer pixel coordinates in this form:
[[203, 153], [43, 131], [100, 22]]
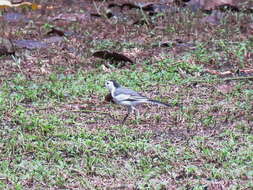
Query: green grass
[[50, 147], [65, 157]]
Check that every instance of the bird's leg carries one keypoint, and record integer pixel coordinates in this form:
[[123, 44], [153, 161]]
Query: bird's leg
[[136, 113], [129, 110]]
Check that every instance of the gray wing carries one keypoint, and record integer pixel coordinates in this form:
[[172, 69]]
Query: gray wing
[[126, 91], [125, 94]]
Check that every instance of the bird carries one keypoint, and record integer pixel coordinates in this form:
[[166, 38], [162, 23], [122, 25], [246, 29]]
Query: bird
[[128, 97]]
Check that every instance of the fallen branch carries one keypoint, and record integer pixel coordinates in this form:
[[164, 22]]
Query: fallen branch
[[226, 79]]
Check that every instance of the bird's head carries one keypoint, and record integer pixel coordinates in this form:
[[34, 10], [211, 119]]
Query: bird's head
[[112, 85]]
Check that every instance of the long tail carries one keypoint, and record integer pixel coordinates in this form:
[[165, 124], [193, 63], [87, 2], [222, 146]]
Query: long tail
[[159, 103]]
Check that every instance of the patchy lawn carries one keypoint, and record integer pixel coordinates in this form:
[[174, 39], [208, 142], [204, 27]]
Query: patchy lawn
[[57, 131]]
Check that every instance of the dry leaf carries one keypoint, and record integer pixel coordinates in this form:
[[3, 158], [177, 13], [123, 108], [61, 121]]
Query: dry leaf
[[113, 56], [7, 3]]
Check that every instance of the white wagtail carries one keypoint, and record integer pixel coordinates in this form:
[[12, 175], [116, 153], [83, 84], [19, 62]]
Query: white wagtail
[[128, 97]]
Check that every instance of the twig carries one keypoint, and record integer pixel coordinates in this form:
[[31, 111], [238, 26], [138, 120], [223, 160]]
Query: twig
[[92, 111], [225, 79], [89, 111], [144, 16]]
